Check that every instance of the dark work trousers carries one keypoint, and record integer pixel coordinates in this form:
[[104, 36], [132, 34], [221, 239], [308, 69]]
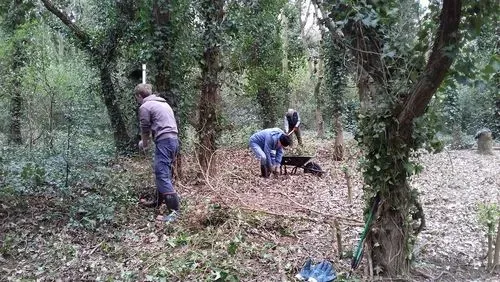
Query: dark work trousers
[[297, 134], [165, 154]]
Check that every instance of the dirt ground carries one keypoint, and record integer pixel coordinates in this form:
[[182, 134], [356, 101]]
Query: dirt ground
[[239, 227]]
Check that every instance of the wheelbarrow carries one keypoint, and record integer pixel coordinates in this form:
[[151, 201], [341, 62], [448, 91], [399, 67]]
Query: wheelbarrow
[[300, 162]]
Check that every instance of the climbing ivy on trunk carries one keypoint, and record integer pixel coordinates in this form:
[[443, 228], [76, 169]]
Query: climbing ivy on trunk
[[102, 48], [402, 86]]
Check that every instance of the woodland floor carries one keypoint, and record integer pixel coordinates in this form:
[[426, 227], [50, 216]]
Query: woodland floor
[[239, 227]]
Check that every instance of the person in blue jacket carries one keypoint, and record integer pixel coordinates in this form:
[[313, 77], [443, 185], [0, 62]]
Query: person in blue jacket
[[265, 141]]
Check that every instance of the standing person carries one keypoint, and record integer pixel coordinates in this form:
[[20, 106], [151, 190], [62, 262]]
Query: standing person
[[157, 120], [265, 141], [292, 123]]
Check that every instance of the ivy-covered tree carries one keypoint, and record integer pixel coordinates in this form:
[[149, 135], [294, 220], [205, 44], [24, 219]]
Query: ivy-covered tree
[[16, 15], [100, 35], [403, 85], [209, 125], [164, 38], [334, 87]]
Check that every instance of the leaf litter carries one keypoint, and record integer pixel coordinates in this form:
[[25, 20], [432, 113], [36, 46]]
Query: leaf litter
[[238, 226]]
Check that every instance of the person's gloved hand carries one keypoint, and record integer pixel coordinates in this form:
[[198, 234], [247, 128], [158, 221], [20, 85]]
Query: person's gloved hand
[[323, 272], [141, 146], [306, 271], [275, 170]]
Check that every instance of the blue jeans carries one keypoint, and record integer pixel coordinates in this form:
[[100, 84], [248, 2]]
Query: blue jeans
[[165, 154], [259, 153]]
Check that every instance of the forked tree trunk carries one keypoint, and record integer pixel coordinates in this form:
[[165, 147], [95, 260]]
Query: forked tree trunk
[[103, 55], [389, 237], [208, 128]]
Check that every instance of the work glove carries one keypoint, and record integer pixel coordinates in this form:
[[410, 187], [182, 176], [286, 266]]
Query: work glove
[[274, 170], [323, 272], [141, 146], [306, 271]]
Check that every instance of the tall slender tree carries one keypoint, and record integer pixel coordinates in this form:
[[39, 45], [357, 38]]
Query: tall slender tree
[[167, 36], [102, 48], [16, 14], [335, 85], [261, 51], [209, 127]]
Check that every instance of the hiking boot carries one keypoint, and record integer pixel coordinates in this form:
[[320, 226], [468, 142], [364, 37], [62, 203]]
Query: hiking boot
[[263, 171], [149, 204], [173, 216]]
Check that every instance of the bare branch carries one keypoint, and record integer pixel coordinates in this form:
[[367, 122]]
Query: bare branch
[[79, 33]]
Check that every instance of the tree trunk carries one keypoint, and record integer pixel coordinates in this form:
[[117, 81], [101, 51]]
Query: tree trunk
[[489, 253], [364, 92], [15, 136], [163, 54], [16, 101], [208, 124], [496, 256], [267, 108], [284, 37], [338, 147], [388, 238], [320, 128], [120, 133]]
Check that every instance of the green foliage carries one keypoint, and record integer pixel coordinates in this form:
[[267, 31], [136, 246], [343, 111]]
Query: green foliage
[[32, 175], [258, 51], [474, 78], [335, 82], [489, 214], [91, 211]]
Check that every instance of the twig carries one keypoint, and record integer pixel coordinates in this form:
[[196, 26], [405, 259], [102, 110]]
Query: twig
[[95, 248], [280, 214], [316, 211]]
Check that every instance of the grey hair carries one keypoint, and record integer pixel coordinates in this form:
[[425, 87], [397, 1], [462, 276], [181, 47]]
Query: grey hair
[[143, 90]]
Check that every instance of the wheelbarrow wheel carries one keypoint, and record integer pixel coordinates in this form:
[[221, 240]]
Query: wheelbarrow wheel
[[313, 168]]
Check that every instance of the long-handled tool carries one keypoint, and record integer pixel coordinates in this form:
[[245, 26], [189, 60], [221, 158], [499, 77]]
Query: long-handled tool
[[358, 254]]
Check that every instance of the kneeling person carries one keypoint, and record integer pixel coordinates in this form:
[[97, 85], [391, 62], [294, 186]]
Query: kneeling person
[[265, 141]]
